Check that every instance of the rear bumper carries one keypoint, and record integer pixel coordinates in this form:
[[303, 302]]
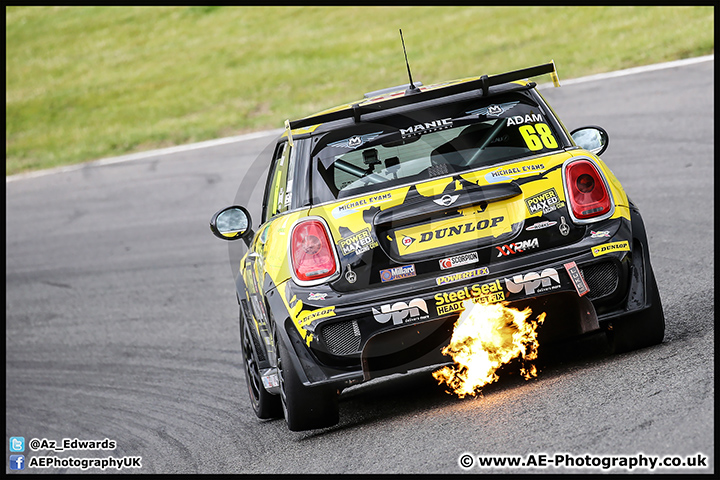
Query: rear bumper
[[377, 333]]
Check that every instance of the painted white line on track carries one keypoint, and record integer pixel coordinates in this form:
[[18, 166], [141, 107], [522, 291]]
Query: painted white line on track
[[632, 71], [268, 133]]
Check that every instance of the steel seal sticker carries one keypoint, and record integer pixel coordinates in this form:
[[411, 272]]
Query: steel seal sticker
[[456, 277], [545, 202], [576, 276], [448, 302], [357, 244], [610, 247], [396, 273]]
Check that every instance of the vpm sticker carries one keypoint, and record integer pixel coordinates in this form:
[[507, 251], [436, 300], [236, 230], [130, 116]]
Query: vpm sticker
[[576, 276]]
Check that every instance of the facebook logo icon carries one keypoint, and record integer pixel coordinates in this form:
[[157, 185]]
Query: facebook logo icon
[[17, 444], [17, 462]]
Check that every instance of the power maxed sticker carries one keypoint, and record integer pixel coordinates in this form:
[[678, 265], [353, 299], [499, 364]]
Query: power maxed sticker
[[545, 202], [357, 244]]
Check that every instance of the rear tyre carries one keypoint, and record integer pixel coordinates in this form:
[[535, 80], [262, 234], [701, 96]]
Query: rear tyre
[[264, 404], [305, 408], [642, 329]]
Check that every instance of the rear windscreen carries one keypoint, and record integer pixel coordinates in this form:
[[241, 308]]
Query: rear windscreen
[[429, 143]]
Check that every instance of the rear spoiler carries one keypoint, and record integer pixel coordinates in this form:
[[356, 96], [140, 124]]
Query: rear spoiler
[[483, 83]]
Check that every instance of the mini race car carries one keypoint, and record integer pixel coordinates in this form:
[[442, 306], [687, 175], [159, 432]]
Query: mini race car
[[381, 217]]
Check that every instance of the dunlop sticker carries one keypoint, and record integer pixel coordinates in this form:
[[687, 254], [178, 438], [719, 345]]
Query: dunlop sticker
[[450, 232], [305, 317], [610, 247]]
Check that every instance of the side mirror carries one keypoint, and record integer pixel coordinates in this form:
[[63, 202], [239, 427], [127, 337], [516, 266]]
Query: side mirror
[[592, 139], [232, 223]]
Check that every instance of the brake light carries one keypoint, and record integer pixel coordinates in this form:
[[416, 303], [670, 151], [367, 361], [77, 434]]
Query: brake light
[[587, 192], [311, 252]]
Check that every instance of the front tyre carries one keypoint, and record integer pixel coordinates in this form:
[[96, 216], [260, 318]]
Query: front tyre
[[305, 408], [264, 404]]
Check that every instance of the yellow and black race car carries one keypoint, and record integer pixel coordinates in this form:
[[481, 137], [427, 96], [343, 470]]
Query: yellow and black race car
[[381, 217]]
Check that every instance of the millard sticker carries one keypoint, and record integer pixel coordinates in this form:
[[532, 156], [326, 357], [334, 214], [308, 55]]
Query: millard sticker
[[610, 247], [576, 276], [396, 273]]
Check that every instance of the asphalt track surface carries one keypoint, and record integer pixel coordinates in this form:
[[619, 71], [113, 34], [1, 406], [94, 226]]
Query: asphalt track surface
[[121, 318]]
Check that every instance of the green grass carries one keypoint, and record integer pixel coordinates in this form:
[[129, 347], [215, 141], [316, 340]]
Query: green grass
[[90, 82]]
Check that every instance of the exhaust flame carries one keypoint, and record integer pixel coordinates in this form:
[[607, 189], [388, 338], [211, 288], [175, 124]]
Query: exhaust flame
[[484, 338]]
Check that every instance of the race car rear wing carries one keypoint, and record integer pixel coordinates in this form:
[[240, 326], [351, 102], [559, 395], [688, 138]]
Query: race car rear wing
[[483, 83]]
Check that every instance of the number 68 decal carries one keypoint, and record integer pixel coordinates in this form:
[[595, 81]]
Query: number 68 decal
[[538, 135]]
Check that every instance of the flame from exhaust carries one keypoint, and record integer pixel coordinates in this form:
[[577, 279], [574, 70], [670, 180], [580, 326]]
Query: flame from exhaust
[[485, 337]]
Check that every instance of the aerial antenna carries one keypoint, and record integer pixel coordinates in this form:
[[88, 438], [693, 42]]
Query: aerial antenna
[[412, 88]]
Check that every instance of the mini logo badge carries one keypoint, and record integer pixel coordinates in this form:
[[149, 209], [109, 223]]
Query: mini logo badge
[[446, 200]]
